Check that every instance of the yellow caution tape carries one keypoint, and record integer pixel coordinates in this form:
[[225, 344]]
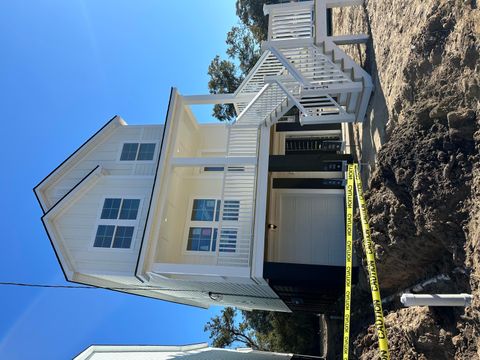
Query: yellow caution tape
[[348, 260], [372, 270]]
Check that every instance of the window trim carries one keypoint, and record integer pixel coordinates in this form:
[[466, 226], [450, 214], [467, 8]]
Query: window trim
[[117, 222], [139, 142], [210, 224]]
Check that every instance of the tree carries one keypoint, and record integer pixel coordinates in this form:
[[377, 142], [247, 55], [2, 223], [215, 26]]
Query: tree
[[223, 80], [264, 330], [243, 43], [250, 13], [243, 46], [224, 330]]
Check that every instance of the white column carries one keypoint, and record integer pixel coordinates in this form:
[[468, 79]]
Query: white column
[[320, 20], [261, 203]]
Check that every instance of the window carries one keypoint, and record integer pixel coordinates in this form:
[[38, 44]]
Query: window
[[118, 218], [203, 226], [213, 168], [200, 239], [221, 168], [203, 209], [137, 151]]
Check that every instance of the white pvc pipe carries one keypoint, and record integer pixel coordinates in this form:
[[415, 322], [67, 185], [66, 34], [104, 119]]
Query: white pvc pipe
[[436, 299]]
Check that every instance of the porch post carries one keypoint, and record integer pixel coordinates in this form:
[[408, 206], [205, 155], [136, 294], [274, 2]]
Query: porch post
[[320, 20]]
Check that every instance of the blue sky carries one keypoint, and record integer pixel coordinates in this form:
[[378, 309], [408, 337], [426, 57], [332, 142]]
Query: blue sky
[[66, 67]]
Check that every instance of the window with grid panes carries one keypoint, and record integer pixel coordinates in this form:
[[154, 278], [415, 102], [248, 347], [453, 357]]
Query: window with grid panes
[[203, 225], [137, 151], [117, 223]]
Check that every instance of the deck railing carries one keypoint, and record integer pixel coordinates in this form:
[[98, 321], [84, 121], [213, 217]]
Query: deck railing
[[291, 22], [237, 214]]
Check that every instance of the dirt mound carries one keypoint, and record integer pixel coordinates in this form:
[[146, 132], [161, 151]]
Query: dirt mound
[[422, 142]]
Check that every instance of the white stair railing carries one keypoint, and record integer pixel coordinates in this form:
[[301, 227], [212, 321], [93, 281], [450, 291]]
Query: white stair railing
[[277, 97], [323, 109], [315, 66], [313, 71], [290, 22]]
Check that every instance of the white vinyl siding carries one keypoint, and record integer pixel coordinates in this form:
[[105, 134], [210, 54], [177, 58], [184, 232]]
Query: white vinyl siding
[[79, 223], [107, 154]]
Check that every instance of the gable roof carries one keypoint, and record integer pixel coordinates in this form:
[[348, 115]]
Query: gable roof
[[39, 189], [68, 198]]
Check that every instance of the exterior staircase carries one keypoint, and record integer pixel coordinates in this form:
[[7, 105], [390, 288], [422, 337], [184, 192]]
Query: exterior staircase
[[324, 83]]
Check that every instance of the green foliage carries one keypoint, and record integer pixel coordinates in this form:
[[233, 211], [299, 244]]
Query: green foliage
[[294, 332], [250, 13], [223, 80], [224, 331], [243, 43], [263, 330], [243, 47]]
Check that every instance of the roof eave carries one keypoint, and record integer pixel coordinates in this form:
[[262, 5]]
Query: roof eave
[[48, 219], [40, 189]]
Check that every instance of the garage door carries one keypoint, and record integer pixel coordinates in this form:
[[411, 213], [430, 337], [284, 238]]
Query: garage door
[[310, 227]]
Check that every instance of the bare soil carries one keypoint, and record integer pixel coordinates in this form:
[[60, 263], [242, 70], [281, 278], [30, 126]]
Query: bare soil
[[420, 147]]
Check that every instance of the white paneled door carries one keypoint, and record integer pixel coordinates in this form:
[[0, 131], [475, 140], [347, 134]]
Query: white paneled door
[[310, 227]]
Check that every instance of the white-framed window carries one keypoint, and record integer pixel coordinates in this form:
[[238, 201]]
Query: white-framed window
[[134, 151], [116, 226], [221, 168], [202, 234]]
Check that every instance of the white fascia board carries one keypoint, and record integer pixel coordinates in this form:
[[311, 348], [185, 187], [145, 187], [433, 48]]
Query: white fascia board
[[252, 351], [63, 204], [260, 205], [96, 349], [200, 270], [147, 249], [74, 158], [217, 99], [61, 252], [125, 288], [73, 195]]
